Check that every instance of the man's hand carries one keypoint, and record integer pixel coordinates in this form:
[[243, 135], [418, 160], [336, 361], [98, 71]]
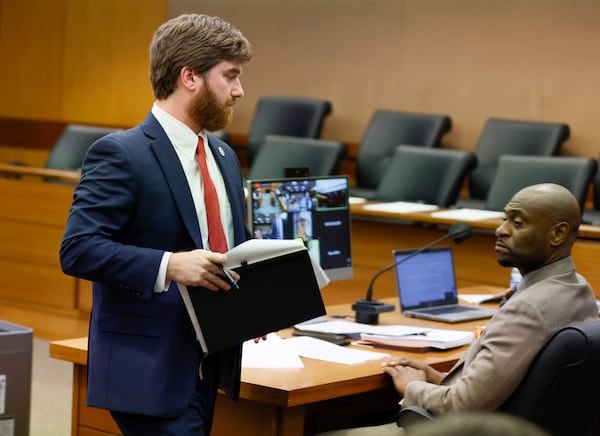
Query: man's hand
[[403, 375], [403, 371], [199, 268]]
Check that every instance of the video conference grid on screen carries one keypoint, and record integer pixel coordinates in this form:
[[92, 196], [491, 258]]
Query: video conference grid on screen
[[314, 209]]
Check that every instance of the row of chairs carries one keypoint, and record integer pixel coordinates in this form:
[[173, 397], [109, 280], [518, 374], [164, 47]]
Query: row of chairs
[[285, 133], [509, 154]]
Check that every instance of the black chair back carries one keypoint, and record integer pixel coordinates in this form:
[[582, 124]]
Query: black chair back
[[517, 172], [560, 391], [285, 116], [427, 175], [501, 136], [385, 131], [70, 148], [278, 153]]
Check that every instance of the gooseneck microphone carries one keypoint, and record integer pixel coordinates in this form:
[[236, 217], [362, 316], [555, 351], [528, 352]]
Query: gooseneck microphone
[[368, 310]]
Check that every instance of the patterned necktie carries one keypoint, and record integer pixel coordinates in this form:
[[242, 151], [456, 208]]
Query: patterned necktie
[[216, 235]]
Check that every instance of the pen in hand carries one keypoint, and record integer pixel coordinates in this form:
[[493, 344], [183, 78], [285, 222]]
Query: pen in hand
[[233, 282]]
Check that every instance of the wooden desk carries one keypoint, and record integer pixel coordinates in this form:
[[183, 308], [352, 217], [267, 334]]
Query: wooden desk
[[318, 397]]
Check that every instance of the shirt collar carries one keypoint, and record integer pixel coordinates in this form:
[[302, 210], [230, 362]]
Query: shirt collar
[[181, 136]]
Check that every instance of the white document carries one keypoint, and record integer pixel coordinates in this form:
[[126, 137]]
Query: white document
[[468, 214], [433, 338], [401, 207], [257, 250], [479, 298], [272, 353], [285, 353], [313, 348], [356, 200]]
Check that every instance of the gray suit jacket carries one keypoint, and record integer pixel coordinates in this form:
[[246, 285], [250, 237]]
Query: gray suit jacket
[[494, 365]]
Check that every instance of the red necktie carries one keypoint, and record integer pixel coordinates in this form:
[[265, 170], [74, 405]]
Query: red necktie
[[216, 236]]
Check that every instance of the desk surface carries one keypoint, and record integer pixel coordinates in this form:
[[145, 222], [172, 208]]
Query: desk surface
[[586, 231], [318, 380]]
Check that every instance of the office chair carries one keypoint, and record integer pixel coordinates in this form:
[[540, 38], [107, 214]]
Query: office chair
[[70, 148], [503, 136], [592, 215], [278, 153], [428, 175], [286, 116], [517, 172], [385, 131], [560, 389]]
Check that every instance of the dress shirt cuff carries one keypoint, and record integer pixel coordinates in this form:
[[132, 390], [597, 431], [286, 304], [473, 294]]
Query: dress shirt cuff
[[161, 284]]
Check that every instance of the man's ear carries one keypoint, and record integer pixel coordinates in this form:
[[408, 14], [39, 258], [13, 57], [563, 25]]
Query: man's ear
[[189, 79], [559, 233]]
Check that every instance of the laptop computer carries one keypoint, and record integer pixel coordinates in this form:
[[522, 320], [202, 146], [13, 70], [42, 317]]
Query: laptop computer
[[427, 287]]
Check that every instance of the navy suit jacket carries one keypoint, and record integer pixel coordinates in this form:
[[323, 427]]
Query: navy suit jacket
[[131, 205]]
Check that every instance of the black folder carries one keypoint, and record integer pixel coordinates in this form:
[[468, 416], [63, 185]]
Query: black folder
[[273, 294]]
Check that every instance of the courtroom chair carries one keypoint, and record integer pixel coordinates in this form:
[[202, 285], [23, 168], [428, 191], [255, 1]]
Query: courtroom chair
[[517, 172], [285, 116], [385, 131], [427, 175], [504, 136], [70, 148], [560, 390], [592, 215], [278, 153]]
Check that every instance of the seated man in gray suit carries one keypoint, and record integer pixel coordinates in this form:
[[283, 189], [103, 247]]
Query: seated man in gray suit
[[536, 236]]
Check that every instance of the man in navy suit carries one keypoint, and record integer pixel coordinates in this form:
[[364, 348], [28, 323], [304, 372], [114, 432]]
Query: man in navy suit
[[138, 226]]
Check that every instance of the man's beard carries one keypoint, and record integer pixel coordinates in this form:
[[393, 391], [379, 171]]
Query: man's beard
[[207, 112]]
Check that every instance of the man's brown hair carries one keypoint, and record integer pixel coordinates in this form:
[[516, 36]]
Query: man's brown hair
[[196, 41]]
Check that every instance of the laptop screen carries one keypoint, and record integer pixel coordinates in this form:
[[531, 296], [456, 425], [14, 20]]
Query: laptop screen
[[426, 279]]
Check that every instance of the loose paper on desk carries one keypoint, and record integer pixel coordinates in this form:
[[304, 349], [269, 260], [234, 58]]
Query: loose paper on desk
[[314, 348], [401, 207], [256, 250], [271, 353], [356, 200], [480, 298], [285, 353], [466, 214]]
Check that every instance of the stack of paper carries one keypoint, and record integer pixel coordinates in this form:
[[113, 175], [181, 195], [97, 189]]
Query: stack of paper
[[437, 338], [402, 336]]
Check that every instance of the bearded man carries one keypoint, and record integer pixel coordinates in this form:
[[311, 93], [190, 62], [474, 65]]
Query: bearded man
[[158, 205]]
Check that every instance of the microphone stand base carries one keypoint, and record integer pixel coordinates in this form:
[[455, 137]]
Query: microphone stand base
[[367, 311]]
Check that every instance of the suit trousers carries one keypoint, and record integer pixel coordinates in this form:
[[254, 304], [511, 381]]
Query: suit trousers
[[195, 420]]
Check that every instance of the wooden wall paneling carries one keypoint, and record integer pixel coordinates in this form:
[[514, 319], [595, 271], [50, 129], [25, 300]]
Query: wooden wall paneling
[[31, 49], [32, 220], [106, 64], [534, 60]]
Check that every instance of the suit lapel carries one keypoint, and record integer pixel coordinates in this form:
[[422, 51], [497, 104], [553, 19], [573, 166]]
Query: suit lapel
[[174, 175]]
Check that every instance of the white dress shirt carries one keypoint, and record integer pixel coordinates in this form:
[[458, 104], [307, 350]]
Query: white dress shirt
[[185, 142]]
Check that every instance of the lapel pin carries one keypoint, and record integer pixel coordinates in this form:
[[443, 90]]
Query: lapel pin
[[221, 151]]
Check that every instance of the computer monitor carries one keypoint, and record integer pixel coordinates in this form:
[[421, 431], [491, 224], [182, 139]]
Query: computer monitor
[[315, 209]]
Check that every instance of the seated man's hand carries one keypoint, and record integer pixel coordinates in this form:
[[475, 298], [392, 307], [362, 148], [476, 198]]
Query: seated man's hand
[[403, 375], [431, 375]]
